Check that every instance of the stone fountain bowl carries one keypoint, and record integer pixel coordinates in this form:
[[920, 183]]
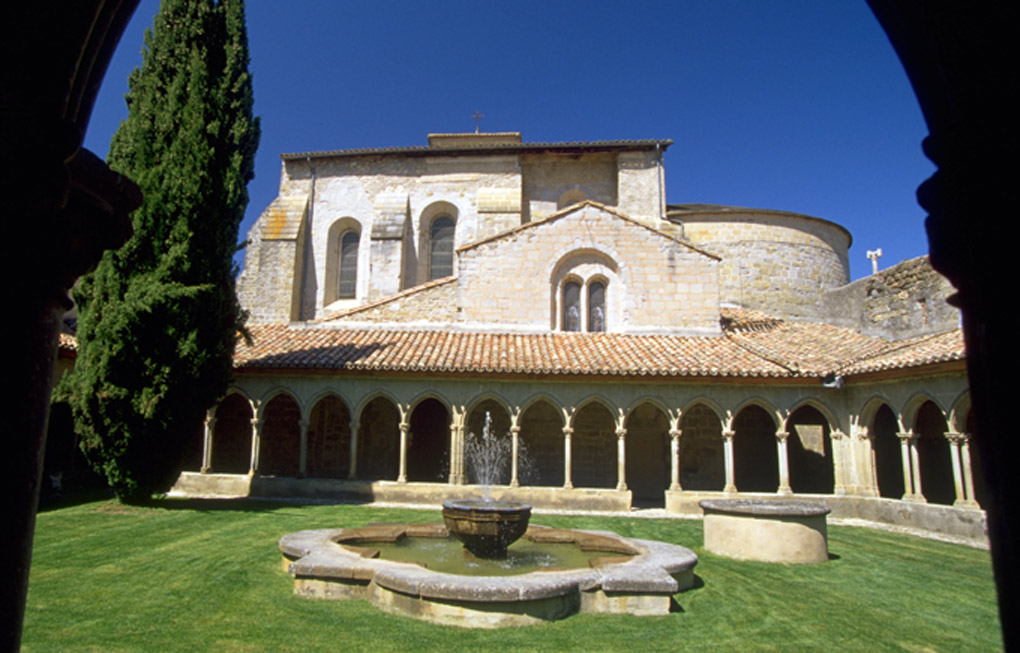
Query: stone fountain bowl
[[486, 528]]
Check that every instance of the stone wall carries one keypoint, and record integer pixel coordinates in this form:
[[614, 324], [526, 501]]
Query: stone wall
[[904, 301], [654, 283], [435, 303], [773, 261]]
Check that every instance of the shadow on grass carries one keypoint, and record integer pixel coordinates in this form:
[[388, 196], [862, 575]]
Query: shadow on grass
[[72, 499], [674, 605]]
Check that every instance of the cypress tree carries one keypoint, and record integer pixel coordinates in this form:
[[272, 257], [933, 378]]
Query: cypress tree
[[159, 318]]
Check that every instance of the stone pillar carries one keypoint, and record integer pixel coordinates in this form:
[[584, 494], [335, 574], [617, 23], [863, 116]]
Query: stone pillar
[[457, 472], [839, 448], [868, 485], [256, 439], [954, 454], [515, 434], [915, 465], [303, 448], [207, 442], [352, 468], [727, 435], [905, 448], [674, 463], [968, 474], [784, 463], [621, 459], [404, 429], [567, 482]]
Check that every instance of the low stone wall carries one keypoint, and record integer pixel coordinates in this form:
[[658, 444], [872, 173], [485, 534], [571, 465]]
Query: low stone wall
[[963, 525]]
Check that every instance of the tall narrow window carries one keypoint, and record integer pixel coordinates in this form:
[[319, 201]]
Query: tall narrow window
[[571, 306], [348, 265], [597, 306], [441, 248]]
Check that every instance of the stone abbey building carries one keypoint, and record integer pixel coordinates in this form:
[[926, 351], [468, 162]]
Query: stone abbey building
[[632, 352]]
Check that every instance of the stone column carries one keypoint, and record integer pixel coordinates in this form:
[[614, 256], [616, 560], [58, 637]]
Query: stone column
[[838, 452], [352, 468], [256, 439], [457, 473], [207, 442], [567, 482], [905, 448], [727, 435], [915, 465], [404, 429], [303, 448], [621, 459], [515, 433], [968, 475], [784, 463], [954, 454], [674, 463]]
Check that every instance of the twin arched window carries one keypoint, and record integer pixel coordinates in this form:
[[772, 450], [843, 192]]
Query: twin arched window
[[589, 315]]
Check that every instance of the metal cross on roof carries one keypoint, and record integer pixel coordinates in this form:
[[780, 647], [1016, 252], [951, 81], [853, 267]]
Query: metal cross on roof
[[478, 117]]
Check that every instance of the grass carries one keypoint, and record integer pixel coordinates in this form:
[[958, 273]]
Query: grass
[[198, 576]]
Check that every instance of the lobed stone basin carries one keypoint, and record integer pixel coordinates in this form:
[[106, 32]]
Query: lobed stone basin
[[486, 528], [341, 564], [768, 530]]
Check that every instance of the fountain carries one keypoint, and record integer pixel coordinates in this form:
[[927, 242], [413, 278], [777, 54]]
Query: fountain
[[551, 573], [487, 527]]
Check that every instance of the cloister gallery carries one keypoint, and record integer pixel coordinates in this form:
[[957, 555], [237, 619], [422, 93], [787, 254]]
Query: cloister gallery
[[633, 352]]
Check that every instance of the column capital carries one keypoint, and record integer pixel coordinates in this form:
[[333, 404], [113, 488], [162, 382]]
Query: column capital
[[676, 433], [515, 430], [907, 437], [956, 438], [782, 435], [621, 433], [728, 435], [568, 431], [837, 434]]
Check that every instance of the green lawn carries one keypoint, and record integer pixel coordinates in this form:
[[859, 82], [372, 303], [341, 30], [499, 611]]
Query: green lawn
[[206, 576]]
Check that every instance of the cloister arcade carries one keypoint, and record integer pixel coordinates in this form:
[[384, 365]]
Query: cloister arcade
[[906, 443]]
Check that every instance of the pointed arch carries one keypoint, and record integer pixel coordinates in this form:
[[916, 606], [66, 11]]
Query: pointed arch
[[378, 437], [542, 425], [809, 450], [428, 451], [329, 438], [648, 452], [755, 456], [232, 434], [701, 458], [594, 456], [280, 441]]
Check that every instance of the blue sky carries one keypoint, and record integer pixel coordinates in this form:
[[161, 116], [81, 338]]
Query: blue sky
[[801, 106]]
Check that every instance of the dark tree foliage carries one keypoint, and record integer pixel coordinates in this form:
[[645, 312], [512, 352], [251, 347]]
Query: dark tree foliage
[[158, 319]]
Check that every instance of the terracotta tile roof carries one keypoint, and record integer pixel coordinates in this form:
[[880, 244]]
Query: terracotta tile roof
[[924, 350], [389, 298], [753, 345], [586, 354]]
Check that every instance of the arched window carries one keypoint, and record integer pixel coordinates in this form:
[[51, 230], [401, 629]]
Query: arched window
[[348, 282], [441, 247], [572, 306], [597, 306]]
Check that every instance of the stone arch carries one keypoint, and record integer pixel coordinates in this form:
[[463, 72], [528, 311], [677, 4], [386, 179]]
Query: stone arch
[[934, 457], [428, 448], [378, 438], [701, 458], [959, 412], [329, 438], [755, 456], [809, 450], [280, 440], [647, 453], [593, 445], [500, 429], [428, 219], [542, 434], [886, 450], [231, 436], [911, 408], [570, 197], [341, 281]]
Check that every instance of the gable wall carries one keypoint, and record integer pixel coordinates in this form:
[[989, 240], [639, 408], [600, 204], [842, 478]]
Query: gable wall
[[655, 284]]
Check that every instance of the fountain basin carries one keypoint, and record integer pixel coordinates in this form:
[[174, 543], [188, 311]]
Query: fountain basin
[[640, 584], [486, 528]]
